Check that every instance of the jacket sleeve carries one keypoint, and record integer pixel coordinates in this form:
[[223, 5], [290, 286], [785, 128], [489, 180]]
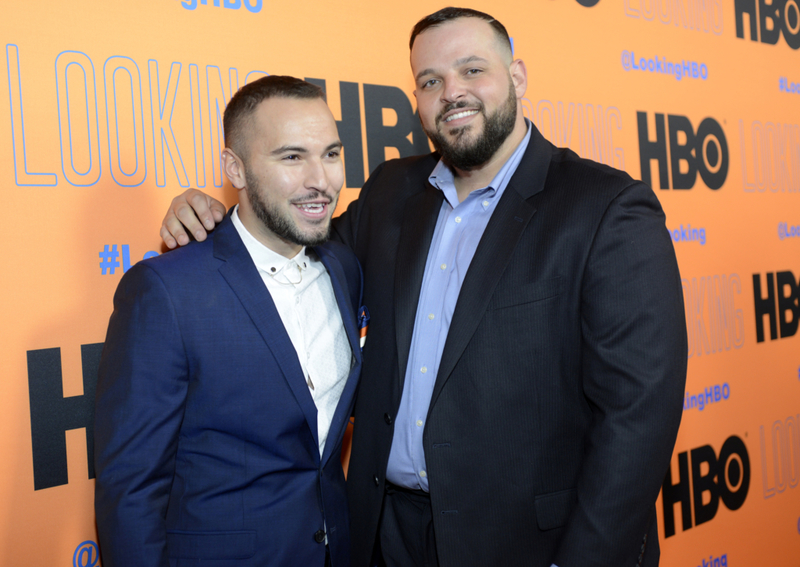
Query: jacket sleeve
[[344, 228], [633, 359], [141, 393]]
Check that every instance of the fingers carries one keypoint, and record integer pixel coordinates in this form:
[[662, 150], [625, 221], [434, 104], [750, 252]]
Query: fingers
[[195, 213], [192, 212], [180, 214], [218, 210], [167, 237], [173, 232]]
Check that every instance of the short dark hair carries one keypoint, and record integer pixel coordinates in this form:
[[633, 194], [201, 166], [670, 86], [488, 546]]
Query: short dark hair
[[450, 13], [246, 99]]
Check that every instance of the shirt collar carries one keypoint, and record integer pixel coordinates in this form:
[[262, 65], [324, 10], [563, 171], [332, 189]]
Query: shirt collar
[[267, 260], [443, 179]]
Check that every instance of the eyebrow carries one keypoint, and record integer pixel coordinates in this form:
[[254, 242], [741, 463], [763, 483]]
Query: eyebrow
[[301, 150], [458, 63]]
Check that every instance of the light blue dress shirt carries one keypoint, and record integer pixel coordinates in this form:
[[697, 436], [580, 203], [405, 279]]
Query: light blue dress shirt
[[458, 231]]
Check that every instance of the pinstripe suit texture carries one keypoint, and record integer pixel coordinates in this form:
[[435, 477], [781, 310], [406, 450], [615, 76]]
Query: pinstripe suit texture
[[559, 395]]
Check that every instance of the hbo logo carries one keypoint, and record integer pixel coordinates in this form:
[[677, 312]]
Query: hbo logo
[[725, 477], [704, 152]]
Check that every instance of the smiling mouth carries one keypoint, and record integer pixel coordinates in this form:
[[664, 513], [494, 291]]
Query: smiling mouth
[[313, 208], [462, 114]]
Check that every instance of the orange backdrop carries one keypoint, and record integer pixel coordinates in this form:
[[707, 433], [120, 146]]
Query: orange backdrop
[[108, 109]]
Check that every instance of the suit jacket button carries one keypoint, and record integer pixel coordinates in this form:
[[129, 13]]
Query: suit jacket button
[[377, 480], [387, 418], [319, 537]]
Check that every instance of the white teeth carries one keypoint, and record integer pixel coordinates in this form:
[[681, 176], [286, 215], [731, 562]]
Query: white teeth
[[460, 115], [312, 207]]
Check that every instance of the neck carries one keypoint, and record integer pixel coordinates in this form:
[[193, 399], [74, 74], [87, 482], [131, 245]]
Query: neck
[[467, 181], [264, 235]]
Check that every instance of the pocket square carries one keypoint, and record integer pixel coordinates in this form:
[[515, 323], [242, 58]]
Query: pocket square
[[363, 325]]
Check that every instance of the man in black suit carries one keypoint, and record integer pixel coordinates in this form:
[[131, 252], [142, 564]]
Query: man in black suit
[[522, 385]]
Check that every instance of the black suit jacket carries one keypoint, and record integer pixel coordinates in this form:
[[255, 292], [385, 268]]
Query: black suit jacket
[[559, 393]]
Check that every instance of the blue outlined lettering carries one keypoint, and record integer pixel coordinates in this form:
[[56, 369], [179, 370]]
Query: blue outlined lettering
[[22, 176], [124, 71], [162, 141], [699, 15], [594, 124], [186, 118], [688, 234], [771, 163], [217, 100], [782, 470], [713, 322], [76, 67], [197, 125]]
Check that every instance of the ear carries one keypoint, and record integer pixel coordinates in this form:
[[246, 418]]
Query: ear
[[519, 76], [233, 166]]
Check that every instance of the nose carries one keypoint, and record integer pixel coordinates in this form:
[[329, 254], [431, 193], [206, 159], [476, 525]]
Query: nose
[[453, 89], [316, 175]]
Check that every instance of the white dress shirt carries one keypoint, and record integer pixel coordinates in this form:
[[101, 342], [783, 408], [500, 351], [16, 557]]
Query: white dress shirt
[[302, 291]]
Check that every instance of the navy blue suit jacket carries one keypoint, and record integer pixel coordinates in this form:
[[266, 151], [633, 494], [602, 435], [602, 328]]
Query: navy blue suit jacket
[[206, 433]]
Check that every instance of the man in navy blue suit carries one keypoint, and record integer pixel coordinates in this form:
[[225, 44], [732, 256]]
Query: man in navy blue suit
[[229, 369]]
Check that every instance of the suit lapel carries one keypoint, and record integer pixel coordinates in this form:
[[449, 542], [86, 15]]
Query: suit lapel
[[508, 223], [348, 310], [419, 221], [242, 276]]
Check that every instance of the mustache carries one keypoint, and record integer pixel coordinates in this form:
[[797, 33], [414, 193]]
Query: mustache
[[453, 106], [312, 196]]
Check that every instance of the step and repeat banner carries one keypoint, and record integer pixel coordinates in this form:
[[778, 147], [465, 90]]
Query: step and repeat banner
[[109, 109]]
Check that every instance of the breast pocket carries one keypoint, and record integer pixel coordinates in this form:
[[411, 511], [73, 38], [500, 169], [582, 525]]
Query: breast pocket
[[515, 295]]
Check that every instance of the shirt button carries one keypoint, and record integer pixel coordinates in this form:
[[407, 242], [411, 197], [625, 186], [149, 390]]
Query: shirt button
[[419, 423], [424, 369], [431, 316], [486, 203], [458, 219], [443, 266], [423, 474]]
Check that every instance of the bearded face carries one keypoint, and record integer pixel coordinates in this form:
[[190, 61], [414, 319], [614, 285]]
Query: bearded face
[[465, 149]]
